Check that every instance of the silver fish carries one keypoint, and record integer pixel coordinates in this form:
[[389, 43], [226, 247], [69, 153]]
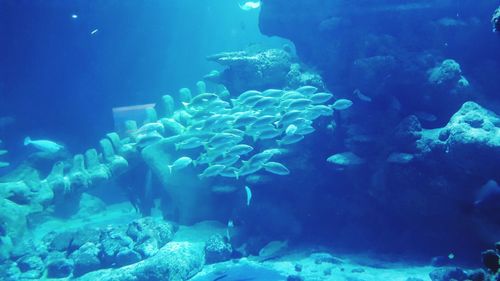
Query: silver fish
[[289, 117], [361, 96], [180, 163], [264, 120], [400, 158], [273, 93], [321, 98], [248, 94], [202, 99], [240, 149], [212, 171], [223, 139], [292, 95], [276, 168], [229, 172], [43, 145], [249, 195], [290, 139], [342, 104], [265, 102], [299, 104], [307, 90], [244, 120], [345, 159], [291, 129], [305, 130], [190, 143], [228, 161]]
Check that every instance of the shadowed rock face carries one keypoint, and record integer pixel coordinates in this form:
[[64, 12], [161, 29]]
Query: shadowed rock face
[[473, 130], [334, 37], [496, 20], [273, 68]]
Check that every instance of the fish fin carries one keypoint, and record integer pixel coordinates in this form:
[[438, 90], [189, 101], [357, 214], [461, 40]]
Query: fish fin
[[206, 147], [195, 163], [185, 104], [177, 146], [27, 140], [170, 168]]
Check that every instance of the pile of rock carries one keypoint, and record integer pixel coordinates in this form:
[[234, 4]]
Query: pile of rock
[[490, 258], [77, 252]]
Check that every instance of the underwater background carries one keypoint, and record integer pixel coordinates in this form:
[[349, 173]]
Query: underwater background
[[250, 140]]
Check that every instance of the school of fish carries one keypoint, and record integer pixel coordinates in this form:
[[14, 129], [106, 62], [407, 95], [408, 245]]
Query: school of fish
[[241, 136]]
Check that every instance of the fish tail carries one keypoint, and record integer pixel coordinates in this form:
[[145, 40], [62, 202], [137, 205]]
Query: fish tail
[[27, 140]]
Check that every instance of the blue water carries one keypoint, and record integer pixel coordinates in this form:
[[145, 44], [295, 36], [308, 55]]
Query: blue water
[[64, 67]]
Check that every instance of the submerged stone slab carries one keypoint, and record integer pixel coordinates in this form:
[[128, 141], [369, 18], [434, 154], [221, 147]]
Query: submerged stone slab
[[176, 261]]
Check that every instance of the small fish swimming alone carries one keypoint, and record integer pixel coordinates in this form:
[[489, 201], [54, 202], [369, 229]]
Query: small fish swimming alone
[[273, 248], [180, 163], [488, 195], [342, 104], [240, 149], [345, 159], [250, 5], [249, 195], [361, 96], [43, 145], [400, 158]]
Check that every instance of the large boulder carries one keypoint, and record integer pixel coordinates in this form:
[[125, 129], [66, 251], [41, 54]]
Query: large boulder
[[176, 261], [217, 249], [473, 130], [272, 68], [86, 259], [150, 234], [495, 20], [448, 274]]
